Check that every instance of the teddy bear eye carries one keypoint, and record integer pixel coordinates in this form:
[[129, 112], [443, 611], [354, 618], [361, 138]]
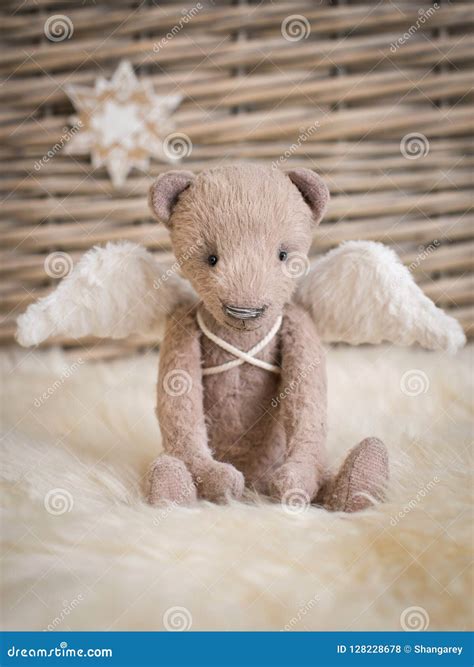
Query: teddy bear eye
[[212, 260], [283, 255]]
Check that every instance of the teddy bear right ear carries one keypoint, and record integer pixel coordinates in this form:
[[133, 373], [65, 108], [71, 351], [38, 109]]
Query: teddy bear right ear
[[313, 189], [165, 191]]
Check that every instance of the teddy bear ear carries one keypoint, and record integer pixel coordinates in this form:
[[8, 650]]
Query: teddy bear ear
[[314, 190], [165, 191]]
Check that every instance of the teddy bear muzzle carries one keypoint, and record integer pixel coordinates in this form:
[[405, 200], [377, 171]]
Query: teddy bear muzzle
[[244, 313]]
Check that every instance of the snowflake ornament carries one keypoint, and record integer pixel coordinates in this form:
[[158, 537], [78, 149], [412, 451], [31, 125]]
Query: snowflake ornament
[[123, 122]]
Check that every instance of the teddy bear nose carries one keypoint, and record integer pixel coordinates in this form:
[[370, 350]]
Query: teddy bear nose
[[243, 313]]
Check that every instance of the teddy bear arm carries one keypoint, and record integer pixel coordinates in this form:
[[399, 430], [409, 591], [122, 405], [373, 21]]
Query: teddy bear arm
[[180, 393], [303, 404], [181, 414]]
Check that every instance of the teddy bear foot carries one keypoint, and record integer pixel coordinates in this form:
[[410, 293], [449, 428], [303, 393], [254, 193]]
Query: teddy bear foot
[[170, 482], [361, 481]]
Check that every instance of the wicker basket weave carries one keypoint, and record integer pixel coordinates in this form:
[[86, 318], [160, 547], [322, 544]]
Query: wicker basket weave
[[345, 95]]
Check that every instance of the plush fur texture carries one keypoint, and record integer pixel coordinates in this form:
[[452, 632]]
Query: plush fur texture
[[113, 292], [232, 430], [113, 561], [314, 191], [361, 293], [238, 418], [245, 215]]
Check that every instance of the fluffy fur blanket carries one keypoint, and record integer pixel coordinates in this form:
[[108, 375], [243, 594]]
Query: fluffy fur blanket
[[82, 550]]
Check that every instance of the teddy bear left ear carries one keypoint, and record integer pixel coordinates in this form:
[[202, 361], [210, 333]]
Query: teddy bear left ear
[[165, 191], [314, 190]]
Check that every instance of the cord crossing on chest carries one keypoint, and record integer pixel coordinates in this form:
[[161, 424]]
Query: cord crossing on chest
[[241, 357]]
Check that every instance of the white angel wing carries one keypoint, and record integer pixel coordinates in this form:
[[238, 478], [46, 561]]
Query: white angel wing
[[112, 292], [360, 292]]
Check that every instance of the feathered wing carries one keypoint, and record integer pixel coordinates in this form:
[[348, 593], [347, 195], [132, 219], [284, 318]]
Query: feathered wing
[[112, 292], [360, 292]]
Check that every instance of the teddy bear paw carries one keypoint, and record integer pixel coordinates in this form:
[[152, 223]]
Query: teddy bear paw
[[170, 482], [220, 482]]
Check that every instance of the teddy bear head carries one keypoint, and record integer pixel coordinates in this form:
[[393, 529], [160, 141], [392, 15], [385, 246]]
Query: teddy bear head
[[241, 235]]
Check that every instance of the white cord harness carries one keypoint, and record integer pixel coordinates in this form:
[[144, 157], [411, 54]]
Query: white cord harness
[[241, 356]]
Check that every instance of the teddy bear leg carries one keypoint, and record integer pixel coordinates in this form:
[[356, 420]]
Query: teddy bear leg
[[362, 479], [170, 482]]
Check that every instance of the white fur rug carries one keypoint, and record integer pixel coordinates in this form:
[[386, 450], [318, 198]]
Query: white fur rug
[[83, 551]]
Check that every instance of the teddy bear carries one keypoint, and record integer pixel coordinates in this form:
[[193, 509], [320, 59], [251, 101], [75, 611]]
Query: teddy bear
[[228, 431], [242, 389]]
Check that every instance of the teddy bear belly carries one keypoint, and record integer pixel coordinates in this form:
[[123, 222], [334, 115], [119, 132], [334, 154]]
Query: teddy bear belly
[[243, 425]]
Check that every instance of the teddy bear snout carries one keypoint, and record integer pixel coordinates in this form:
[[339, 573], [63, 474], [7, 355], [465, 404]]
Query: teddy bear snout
[[244, 313]]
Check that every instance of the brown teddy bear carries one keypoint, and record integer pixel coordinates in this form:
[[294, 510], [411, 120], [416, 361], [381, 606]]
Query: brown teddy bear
[[242, 383], [257, 421]]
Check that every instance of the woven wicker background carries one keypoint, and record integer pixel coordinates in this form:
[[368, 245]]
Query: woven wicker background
[[344, 97]]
